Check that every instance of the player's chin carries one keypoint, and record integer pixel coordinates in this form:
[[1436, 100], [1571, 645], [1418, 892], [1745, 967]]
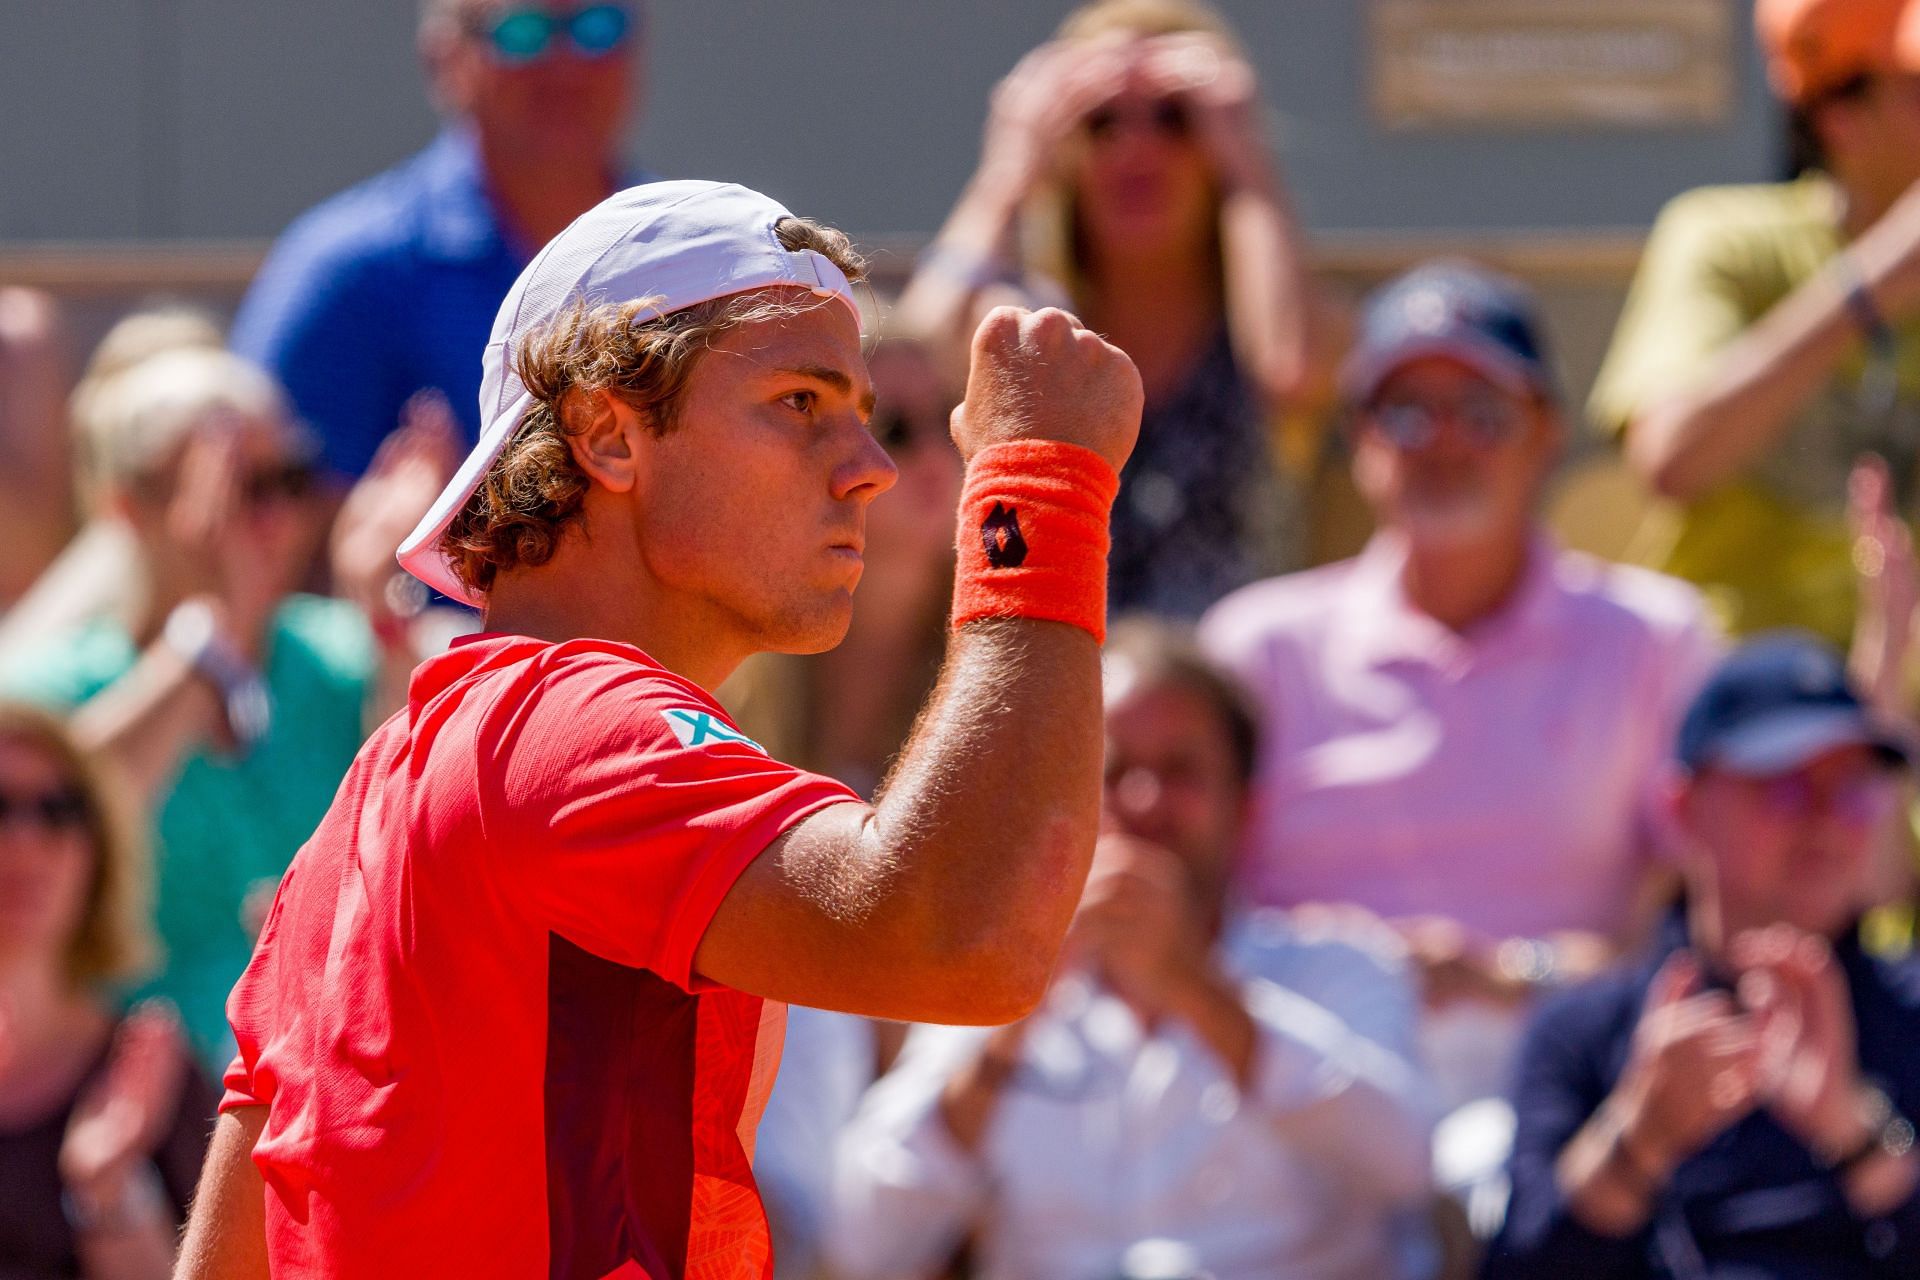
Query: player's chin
[[819, 626]]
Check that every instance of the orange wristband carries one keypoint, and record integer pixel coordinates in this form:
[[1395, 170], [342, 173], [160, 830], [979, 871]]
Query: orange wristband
[[1033, 535]]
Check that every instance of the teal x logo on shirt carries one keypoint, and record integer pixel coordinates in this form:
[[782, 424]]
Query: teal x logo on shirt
[[699, 729]]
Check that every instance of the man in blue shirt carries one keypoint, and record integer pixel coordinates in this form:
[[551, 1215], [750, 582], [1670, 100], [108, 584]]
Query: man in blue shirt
[[390, 287], [1735, 1105]]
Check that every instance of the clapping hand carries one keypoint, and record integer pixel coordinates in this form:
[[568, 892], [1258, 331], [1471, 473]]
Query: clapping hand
[[124, 1115], [1810, 1071], [1694, 1069]]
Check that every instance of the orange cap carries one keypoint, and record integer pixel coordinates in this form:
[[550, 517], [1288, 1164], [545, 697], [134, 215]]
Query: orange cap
[[1815, 45]]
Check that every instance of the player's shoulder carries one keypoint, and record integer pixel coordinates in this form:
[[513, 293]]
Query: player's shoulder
[[595, 690]]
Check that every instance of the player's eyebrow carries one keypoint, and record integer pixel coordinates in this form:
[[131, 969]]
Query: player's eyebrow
[[834, 378]]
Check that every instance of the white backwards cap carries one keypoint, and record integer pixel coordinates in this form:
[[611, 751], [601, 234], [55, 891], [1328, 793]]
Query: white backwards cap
[[680, 243]]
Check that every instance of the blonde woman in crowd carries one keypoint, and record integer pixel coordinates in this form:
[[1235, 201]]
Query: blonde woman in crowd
[[103, 1119], [231, 701], [1124, 175]]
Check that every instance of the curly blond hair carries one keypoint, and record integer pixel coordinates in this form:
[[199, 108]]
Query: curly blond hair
[[535, 488]]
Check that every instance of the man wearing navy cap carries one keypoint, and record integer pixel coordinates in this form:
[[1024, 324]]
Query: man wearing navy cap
[[1425, 701], [1737, 1102]]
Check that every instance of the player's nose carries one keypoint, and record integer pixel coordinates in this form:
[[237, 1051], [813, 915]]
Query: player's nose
[[866, 472]]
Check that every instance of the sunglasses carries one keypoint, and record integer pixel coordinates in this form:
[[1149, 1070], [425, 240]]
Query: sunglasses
[[1488, 418], [64, 809], [285, 483], [1863, 800], [1166, 117], [522, 36]]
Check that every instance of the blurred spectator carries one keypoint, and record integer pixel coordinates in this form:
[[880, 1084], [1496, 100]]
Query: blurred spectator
[[1772, 334], [1734, 1104], [1133, 144], [846, 712], [232, 705], [96, 575], [391, 287], [1242, 1100], [1465, 725], [36, 503], [103, 1118]]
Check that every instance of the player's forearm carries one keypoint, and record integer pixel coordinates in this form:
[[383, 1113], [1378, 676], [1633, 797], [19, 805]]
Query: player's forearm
[[1758, 383], [990, 817]]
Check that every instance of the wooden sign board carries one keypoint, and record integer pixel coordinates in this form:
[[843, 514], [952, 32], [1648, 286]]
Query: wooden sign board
[[1445, 64]]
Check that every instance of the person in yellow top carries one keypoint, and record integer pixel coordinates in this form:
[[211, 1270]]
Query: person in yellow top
[[1772, 335]]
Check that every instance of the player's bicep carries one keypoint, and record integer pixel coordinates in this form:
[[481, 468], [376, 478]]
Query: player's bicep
[[806, 921]]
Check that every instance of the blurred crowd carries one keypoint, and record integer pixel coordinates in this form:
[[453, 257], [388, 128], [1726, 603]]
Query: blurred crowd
[[1466, 905]]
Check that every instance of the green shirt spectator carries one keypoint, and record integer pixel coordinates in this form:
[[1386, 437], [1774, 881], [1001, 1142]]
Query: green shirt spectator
[[1770, 545], [230, 824]]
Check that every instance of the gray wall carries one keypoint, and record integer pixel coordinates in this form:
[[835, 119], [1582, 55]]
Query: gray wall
[[213, 119]]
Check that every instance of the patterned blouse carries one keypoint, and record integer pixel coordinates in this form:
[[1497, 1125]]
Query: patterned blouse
[[1202, 510]]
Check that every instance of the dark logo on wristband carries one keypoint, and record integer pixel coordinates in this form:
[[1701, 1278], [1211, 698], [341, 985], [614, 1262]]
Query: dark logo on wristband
[[1000, 535]]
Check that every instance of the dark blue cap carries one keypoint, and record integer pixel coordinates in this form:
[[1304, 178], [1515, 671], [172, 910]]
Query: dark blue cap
[[1481, 318], [1775, 703]]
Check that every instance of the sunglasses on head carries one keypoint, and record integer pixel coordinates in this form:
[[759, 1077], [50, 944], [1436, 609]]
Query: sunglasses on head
[[1164, 116], [1488, 418], [522, 35], [61, 809]]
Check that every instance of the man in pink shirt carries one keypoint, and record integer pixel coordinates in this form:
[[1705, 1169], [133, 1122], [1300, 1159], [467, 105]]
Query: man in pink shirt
[[1466, 724]]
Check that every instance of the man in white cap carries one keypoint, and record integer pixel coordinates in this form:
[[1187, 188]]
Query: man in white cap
[[517, 1003]]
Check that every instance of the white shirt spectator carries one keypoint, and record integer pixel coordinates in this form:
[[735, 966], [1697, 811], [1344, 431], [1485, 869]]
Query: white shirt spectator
[[1109, 1134], [825, 1066]]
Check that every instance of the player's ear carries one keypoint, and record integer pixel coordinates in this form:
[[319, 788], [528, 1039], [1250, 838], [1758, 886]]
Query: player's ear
[[603, 432]]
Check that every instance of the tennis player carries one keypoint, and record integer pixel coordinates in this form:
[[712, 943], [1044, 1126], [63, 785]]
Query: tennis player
[[519, 999]]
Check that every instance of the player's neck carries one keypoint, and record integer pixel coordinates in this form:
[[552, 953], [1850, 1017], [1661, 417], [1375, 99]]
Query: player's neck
[[574, 597]]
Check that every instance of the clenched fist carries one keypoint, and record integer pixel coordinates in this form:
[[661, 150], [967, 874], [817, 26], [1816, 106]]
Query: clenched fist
[[1041, 375]]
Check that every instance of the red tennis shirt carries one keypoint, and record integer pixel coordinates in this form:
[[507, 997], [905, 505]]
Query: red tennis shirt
[[472, 1015]]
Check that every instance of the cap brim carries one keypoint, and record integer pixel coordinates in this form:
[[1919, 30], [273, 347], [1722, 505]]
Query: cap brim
[[1363, 376], [1787, 740], [420, 554]]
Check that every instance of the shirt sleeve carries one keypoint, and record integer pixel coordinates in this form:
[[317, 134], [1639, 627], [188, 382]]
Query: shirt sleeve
[[320, 318], [629, 804], [1684, 305], [904, 1192]]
